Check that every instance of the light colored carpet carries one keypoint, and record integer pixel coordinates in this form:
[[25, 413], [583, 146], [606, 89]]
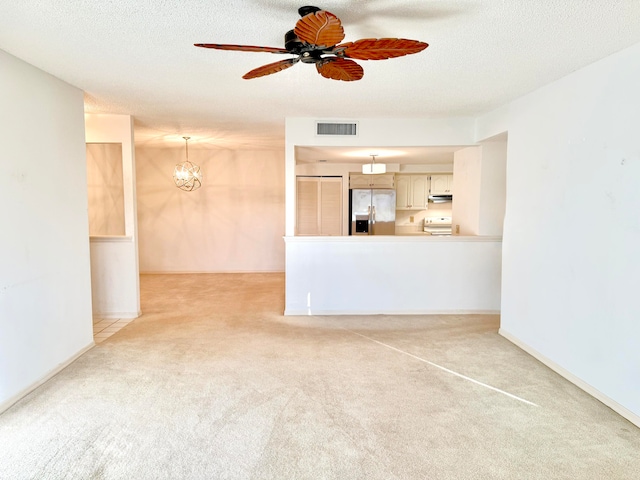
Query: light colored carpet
[[212, 382]]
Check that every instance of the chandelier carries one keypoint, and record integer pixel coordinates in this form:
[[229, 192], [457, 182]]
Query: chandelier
[[186, 175], [373, 167]]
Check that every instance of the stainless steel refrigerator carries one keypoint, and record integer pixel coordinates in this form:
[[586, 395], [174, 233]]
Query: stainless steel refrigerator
[[372, 212]]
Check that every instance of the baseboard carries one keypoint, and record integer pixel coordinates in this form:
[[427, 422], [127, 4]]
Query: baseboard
[[202, 272], [11, 401], [294, 312], [594, 392], [117, 315]]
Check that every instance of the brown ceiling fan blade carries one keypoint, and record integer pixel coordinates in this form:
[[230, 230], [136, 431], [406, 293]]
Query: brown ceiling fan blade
[[380, 49], [270, 68], [340, 69], [242, 48], [321, 28]]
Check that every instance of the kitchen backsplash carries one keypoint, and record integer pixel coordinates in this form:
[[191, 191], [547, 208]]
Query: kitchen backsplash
[[403, 217]]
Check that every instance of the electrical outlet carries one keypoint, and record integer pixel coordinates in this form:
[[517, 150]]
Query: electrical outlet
[[411, 219], [457, 228]]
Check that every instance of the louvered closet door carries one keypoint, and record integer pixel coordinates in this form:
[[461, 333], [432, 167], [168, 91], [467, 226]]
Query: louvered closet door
[[307, 206], [319, 206], [331, 206]]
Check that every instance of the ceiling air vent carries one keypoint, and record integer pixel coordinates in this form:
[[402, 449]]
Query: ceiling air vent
[[336, 128]]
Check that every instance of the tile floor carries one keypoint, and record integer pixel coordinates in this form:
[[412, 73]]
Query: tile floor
[[103, 328]]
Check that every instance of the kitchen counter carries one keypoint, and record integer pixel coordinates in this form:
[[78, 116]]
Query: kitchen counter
[[409, 229], [398, 238], [402, 234]]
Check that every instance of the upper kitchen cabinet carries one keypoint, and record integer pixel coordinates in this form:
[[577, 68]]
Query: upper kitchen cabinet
[[412, 192], [441, 184], [359, 180]]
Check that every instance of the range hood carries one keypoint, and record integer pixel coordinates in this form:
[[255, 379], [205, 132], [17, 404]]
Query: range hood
[[440, 198]]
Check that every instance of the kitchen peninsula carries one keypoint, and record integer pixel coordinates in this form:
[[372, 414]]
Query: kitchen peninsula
[[392, 275], [390, 256]]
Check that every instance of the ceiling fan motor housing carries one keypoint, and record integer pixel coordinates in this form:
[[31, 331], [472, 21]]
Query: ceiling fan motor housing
[[307, 10], [292, 43], [308, 53]]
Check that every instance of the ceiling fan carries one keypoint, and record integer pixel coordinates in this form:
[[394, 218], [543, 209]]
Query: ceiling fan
[[315, 39]]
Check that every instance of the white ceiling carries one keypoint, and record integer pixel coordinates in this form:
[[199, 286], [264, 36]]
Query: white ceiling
[[137, 57]]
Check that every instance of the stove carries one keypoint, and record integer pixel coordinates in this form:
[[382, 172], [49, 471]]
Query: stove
[[437, 225]]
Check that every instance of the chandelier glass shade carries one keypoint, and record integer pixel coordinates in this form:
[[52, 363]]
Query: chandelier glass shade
[[186, 175]]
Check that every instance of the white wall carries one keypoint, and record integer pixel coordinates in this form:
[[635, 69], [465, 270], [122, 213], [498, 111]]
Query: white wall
[[392, 275], [45, 296], [105, 189], [233, 223], [493, 186], [571, 262], [115, 281], [467, 174], [479, 187], [493, 124]]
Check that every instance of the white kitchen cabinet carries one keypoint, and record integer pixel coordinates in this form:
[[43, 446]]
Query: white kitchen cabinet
[[359, 180], [319, 205], [412, 192], [441, 185]]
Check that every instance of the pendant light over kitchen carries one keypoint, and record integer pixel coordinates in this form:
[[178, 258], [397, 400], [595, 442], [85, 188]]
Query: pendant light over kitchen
[[373, 167], [186, 175]]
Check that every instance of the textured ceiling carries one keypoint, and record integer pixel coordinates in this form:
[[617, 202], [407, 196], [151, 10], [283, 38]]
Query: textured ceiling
[[137, 57]]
